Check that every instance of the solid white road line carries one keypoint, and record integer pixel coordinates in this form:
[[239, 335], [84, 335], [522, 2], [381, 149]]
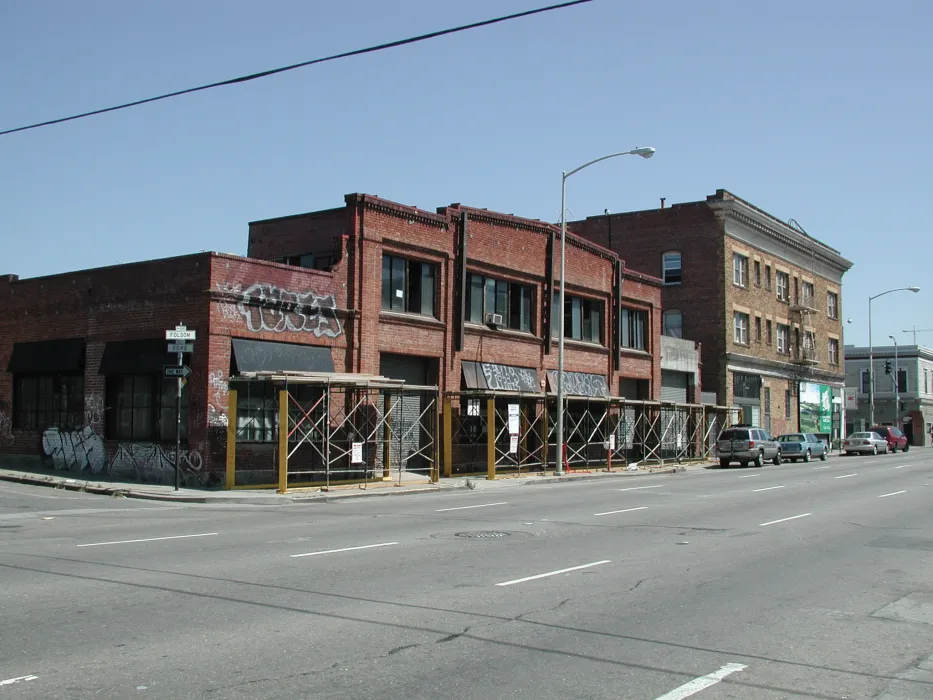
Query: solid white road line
[[23, 679], [821, 467], [895, 493], [845, 476], [149, 539], [639, 488], [553, 573], [344, 549], [903, 466], [770, 488], [701, 683], [784, 520], [626, 510], [748, 476], [483, 505]]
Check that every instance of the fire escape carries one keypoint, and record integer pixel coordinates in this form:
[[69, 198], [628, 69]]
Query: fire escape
[[803, 308]]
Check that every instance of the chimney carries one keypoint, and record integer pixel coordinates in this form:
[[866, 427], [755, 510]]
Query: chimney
[[662, 201]]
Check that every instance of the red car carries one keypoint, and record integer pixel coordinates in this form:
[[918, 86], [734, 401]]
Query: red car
[[896, 439]]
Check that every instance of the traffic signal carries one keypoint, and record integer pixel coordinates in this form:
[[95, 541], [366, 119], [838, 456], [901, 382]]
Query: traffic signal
[[903, 406], [887, 366]]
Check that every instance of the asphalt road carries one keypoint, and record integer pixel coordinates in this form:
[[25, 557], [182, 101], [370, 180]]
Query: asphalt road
[[803, 580]]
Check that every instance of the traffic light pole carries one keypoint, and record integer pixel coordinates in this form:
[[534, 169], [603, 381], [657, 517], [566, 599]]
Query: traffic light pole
[[897, 389]]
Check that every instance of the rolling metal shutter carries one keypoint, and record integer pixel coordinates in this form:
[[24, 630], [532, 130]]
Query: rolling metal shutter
[[674, 386], [404, 421]]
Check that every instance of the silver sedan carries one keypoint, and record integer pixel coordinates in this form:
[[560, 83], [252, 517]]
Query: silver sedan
[[865, 443]]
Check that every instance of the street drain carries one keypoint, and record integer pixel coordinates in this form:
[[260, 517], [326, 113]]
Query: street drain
[[482, 534]]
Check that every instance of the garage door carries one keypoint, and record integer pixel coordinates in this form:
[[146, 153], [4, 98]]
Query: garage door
[[405, 418], [674, 386]]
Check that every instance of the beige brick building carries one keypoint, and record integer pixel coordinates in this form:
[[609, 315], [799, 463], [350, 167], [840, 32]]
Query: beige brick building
[[762, 297]]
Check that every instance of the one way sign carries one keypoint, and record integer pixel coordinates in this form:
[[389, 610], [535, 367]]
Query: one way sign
[[176, 371]]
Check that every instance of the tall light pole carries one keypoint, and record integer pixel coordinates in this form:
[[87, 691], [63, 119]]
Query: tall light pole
[[871, 353], [644, 152], [897, 388]]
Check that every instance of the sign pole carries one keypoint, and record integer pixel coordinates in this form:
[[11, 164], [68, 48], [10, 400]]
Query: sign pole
[[178, 423]]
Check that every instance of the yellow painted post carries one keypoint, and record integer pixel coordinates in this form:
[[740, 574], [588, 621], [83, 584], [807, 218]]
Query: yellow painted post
[[230, 479], [438, 448], [387, 439], [448, 440], [283, 441], [490, 438], [544, 436]]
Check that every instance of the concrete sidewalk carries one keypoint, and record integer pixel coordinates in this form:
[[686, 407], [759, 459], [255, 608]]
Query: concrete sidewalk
[[160, 492]]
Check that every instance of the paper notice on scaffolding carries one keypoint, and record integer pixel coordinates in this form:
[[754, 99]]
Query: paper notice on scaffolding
[[612, 442], [513, 419], [356, 453], [473, 407], [513, 445]]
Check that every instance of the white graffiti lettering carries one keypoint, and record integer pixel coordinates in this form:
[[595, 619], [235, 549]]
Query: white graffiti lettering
[[507, 378], [75, 450], [270, 308], [6, 430], [582, 384]]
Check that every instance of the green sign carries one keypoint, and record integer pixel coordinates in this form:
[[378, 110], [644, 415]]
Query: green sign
[[816, 408]]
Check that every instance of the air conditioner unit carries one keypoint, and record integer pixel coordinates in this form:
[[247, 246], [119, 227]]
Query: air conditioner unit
[[494, 320]]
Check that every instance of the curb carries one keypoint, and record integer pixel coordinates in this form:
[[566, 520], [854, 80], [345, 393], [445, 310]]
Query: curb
[[602, 475]]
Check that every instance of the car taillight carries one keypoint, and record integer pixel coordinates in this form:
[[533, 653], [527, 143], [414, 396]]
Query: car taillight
[[751, 443]]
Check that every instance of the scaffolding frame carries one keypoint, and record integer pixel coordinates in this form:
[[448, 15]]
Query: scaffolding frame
[[334, 429]]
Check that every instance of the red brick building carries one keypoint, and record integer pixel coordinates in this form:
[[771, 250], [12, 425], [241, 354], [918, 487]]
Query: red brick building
[[459, 298]]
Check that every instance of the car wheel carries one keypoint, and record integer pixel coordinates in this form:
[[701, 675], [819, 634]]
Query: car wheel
[[874, 449], [907, 447], [806, 457], [823, 456], [848, 454], [723, 463], [894, 449], [757, 461], [777, 458]]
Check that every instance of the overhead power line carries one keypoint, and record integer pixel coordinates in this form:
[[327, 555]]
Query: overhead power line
[[274, 71]]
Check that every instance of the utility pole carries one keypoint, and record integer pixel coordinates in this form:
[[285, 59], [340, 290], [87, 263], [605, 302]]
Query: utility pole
[[916, 330], [178, 344]]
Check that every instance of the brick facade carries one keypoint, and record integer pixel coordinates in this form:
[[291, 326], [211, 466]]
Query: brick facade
[[340, 307], [707, 235]]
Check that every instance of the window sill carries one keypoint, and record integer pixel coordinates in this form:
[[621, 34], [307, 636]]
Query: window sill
[[512, 332], [582, 344], [415, 319], [740, 286], [633, 352], [672, 284]]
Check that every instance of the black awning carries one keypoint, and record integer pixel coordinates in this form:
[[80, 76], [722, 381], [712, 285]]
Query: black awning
[[580, 384], [264, 356], [146, 356], [486, 376], [48, 356]]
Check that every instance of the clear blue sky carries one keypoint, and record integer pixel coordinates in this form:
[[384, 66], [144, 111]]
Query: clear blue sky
[[820, 111]]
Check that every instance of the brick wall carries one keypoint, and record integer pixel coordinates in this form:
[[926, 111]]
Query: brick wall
[[314, 232]]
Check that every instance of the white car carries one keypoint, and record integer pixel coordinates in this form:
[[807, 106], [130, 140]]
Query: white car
[[865, 443]]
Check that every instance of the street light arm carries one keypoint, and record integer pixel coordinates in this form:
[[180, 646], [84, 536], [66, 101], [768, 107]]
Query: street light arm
[[891, 291], [643, 152]]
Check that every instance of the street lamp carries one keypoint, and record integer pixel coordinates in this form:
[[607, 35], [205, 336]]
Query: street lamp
[[644, 152], [871, 353], [897, 388]]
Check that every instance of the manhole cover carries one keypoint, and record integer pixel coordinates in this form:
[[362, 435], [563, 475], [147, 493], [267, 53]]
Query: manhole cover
[[482, 534]]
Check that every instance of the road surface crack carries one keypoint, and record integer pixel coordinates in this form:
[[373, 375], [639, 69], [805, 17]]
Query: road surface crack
[[452, 637]]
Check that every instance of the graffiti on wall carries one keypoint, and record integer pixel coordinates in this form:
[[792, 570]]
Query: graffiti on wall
[[219, 390], [269, 308], [508, 378], [6, 430], [581, 384], [84, 450], [94, 410]]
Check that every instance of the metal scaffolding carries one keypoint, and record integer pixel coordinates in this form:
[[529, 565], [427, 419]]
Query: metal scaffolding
[[334, 428], [495, 433]]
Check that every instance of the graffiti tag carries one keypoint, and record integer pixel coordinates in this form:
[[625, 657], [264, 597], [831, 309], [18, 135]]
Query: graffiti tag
[[270, 308]]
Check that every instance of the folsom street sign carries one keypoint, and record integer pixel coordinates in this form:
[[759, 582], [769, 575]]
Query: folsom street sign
[[181, 372]]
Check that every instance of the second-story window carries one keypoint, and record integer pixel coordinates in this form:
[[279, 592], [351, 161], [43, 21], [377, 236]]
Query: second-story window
[[672, 273], [583, 319], [833, 346], [758, 328], [408, 285], [511, 300], [673, 324], [832, 304], [782, 282], [634, 329], [740, 321], [769, 338], [739, 270], [807, 294], [783, 339]]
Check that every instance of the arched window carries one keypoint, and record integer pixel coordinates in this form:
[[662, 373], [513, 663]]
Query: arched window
[[670, 267], [673, 324]]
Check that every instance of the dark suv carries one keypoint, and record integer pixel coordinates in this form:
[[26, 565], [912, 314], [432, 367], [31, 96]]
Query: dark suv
[[747, 445], [895, 438]]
